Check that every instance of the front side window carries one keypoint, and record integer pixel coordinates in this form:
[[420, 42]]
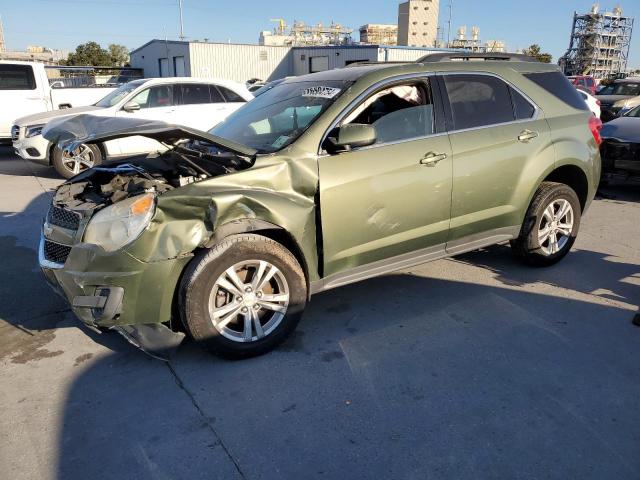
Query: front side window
[[399, 112], [155, 97], [478, 100], [279, 116], [16, 77]]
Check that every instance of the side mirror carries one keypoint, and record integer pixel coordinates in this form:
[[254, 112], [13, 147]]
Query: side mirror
[[351, 136], [131, 107]]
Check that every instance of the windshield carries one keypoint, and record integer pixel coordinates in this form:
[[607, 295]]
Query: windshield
[[629, 89], [118, 94], [633, 113], [280, 115]]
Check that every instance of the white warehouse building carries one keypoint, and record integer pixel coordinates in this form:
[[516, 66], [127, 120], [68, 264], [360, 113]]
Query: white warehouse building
[[242, 62]]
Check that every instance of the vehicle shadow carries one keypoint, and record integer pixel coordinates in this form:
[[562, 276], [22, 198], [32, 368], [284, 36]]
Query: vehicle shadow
[[18, 167], [620, 190], [400, 377]]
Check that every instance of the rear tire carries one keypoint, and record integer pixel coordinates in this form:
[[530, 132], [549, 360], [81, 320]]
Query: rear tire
[[69, 166], [550, 227], [243, 297]]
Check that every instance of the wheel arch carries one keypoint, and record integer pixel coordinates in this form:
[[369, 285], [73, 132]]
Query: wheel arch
[[573, 176], [266, 229]]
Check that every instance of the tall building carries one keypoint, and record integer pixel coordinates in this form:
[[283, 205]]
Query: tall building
[[379, 34], [418, 23], [599, 44]]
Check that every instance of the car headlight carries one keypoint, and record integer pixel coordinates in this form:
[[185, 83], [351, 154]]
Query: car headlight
[[121, 223], [33, 131]]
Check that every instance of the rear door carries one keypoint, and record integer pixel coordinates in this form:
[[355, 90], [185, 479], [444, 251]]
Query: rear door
[[20, 95], [391, 200], [198, 105], [497, 137]]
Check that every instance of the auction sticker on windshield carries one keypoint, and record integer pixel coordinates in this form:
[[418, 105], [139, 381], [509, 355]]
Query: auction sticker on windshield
[[320, 92]]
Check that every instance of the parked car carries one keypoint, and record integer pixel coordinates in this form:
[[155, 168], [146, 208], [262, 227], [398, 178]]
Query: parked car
[[585, 82], [25, 89], [592, 102], [621, 145], [617, 96], [324, 180], [198, 103]]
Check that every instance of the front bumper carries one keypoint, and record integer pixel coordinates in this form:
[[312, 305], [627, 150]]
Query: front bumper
[[114, 289], [35, 148]]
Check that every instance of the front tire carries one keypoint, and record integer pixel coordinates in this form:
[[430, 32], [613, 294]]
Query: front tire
[[550, 227], [87, 156], [243, 297]]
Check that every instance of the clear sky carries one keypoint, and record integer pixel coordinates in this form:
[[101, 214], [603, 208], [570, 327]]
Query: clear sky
[[62, 24]]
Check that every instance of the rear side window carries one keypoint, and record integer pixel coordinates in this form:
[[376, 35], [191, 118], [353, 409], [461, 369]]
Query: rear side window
[[16, 77], [195, 93], [522, 108], [216, 96], [230, 95], [478, 100], [557, 85]]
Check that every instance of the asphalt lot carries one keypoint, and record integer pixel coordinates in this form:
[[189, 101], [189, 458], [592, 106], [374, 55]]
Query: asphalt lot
[[474, 367]]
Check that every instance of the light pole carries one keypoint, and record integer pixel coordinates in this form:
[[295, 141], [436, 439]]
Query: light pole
[[449, 24], [181, 22]]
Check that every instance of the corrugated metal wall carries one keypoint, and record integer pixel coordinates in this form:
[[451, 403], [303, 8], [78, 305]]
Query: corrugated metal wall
[[338, 56], [147, 57], [406, 54], [239, 62]]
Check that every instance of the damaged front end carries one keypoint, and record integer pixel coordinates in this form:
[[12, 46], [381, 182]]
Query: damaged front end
[[108, 245]]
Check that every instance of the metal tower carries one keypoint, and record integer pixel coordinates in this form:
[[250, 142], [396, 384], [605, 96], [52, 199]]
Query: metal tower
[[599, 43], [2, 45]]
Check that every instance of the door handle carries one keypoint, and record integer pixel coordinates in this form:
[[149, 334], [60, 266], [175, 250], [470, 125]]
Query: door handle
[[431, 159], [527, 135]]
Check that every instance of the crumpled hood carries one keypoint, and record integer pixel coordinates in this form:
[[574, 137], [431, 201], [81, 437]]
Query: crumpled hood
[[67, 133], [45, 117], [625, 129]]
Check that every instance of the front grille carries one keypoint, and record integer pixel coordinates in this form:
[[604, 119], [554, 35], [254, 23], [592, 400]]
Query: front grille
[[615, 150], [63, 218], [15, 133], [56, 252]]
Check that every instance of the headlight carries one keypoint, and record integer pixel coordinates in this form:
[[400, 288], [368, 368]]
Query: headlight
[[121, 223], [33, 131]]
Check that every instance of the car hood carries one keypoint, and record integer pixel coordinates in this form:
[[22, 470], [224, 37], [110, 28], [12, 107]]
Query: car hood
[[625, 129], [70, 132], [611, 99], [45, 117]]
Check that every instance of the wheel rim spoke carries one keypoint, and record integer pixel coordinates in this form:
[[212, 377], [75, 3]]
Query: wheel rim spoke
[[543, 234], [248, 310]]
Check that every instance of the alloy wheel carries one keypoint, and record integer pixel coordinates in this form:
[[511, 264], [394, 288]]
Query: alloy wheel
[[556, 226], [78, 161], [249, 300]]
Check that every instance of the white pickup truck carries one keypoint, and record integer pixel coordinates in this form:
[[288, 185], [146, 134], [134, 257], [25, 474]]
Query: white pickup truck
[[25, 89]]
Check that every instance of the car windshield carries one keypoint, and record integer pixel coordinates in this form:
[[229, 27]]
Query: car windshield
[[633, 113], [118, 94], [280, 115], [629, 89]]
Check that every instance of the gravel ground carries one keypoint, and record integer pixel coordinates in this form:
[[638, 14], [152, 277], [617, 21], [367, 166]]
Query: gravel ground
[[473, 367]]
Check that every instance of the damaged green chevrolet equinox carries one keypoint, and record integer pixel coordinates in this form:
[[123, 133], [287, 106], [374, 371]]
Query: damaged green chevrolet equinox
[[321, 181]]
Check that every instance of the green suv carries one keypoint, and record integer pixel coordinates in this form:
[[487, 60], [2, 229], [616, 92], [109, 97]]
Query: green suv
[[321, 181]]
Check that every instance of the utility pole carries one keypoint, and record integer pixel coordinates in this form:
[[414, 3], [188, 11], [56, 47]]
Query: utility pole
[[2, 45], [449, 24], [181, 21]]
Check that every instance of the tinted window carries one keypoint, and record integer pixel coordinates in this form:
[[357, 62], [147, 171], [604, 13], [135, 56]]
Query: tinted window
[[16, 77], [230, 95], [557, 85], [521, 106], [215, 95], [478, 100], [195, 93], [630, 89], [401, 112], [154, 97]]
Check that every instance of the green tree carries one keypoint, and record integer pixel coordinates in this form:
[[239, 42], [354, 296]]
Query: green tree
[[90, 53], [119, 55], [536, 52]]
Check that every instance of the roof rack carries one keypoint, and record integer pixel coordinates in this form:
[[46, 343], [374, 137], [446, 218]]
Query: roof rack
[[382, 62], [466, 57]]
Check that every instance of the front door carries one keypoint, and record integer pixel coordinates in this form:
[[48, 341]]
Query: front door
[[497, 136], [392, 198]]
